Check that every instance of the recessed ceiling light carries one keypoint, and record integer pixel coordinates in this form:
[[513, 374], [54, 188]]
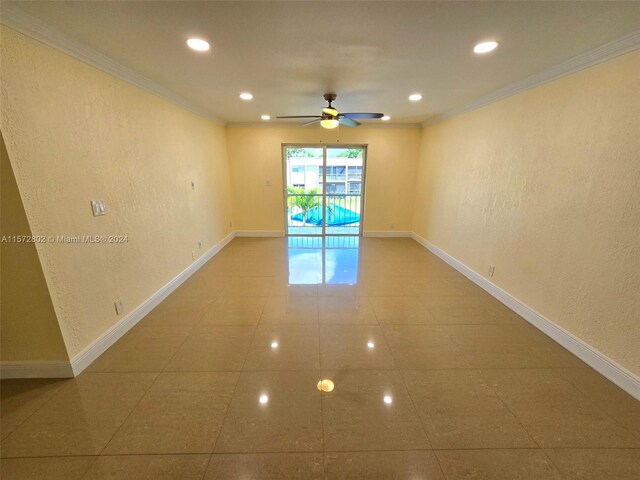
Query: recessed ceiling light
[[388, 399], [246, 96], [415, 97], [263, 399], [485, 47], [274, 345], [386, 118], [198, 44], [371, 345], [265, 117]]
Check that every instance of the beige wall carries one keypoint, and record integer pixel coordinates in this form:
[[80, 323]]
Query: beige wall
[[75, 133], [255, 155], [28, 328], [545, 185]]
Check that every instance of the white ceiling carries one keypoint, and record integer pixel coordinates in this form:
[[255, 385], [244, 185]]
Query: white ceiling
[[373, 54]]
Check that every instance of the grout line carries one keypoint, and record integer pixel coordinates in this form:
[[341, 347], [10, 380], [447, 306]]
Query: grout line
[[404, 383], [324, 473], [53, 395], [523, 426], [130, 412], [158, 374], [206, 468], [503, 401], [599, 407], [235, 387], [630, 449], [89, 467], [444, 475], [332, 369]]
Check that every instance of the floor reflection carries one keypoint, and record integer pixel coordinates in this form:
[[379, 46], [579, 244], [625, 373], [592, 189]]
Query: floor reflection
[[323, 260]]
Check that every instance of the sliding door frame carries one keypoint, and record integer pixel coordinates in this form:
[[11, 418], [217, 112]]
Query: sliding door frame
[[325, 147]]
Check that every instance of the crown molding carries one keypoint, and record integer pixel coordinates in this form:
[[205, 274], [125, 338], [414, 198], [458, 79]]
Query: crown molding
[[22, 22], [605, 52], [270, 124]]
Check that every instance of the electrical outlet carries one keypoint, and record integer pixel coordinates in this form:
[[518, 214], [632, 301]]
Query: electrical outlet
[[193, 185], [491, 269], [98, 208], [267, 183], [392, 226], [199, 244], [119, 306]]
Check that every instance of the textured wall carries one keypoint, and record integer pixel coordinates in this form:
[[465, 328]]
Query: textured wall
[[545, 185], [29, 328], [255, 155], [75, 133]]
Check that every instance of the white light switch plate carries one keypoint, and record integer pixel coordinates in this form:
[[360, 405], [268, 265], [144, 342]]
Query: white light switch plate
[[98, 207], [119, 307]]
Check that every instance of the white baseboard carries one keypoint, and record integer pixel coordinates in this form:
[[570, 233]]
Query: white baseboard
[[61, 369], [108, 338], [259, 233], [35, 369], [386, 233], [615, 372]]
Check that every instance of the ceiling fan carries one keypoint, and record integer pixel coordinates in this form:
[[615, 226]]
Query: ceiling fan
[[330, 117]]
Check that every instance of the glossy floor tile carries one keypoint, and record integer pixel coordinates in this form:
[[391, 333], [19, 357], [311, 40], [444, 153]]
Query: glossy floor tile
[[591, 464], [21, 398], [267, 466], [148, 467], [213, 348], [555, 413], [181, 413], [460, 410], [509, 464], [234, 311], [370, 410], [348, 347], [53, 468], [273, 412], [284, 347], [400, 465], [143, 349], [81, 417], [343, 358]]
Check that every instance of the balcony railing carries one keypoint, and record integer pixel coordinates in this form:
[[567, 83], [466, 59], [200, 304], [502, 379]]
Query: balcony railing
[[336, 178], [305, 213]]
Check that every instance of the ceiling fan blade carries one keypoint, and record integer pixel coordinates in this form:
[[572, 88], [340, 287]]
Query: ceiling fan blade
[[311, 122], [348, 122], [362, 115], [301, 116]]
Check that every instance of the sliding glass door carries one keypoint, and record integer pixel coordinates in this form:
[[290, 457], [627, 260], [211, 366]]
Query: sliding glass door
[[324, 189]]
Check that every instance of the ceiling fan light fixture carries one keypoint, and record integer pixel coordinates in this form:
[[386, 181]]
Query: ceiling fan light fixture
[[329, 123], [330, 111], [385, 118]]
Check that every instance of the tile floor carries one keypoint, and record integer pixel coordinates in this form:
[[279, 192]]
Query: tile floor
[[433, 379]]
